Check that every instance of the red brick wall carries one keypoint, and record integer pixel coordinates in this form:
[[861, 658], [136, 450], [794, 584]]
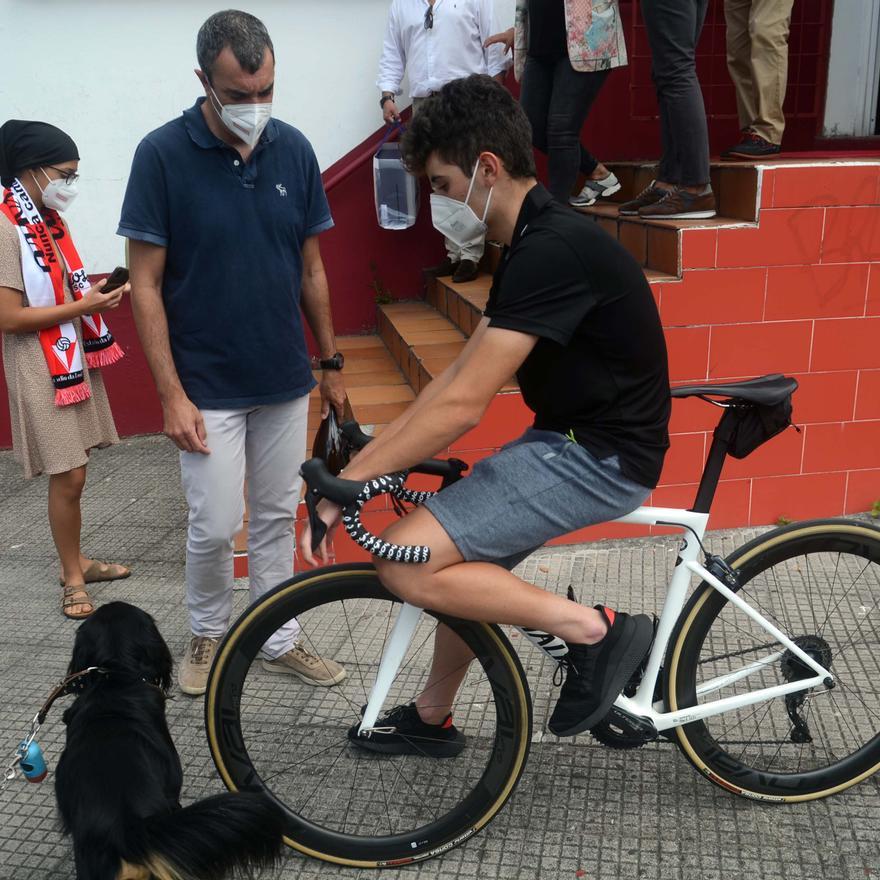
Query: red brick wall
[[798, 293]]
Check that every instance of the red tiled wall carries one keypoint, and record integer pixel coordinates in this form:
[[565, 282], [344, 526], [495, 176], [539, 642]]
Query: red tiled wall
[[799, 294]]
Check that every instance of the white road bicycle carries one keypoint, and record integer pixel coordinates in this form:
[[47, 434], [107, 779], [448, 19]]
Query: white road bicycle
[[766, 677]]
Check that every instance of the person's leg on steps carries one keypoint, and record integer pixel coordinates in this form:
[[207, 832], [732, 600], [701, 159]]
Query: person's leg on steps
[[570, 101], [673, 29], [769, 26], [739, 60], [537, 87]]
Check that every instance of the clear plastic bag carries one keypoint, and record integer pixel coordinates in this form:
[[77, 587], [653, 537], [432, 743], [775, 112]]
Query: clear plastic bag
[[395, 190]]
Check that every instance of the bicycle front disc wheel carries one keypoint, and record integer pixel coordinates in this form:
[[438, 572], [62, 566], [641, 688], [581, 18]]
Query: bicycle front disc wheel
[[278, 734], [819, 584]]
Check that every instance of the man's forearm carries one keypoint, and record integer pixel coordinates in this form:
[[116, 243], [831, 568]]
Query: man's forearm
[[316, 307], [152, 327]]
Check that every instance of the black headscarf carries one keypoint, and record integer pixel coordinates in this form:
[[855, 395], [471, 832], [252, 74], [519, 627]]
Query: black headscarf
[[25, 144]]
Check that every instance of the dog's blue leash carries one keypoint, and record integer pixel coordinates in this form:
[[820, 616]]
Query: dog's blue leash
[[28, 756]]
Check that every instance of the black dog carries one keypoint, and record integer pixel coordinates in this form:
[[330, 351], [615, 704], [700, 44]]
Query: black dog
[[118, 780]]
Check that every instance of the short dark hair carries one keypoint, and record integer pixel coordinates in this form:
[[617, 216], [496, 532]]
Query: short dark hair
[[466, 117], [245, 35]]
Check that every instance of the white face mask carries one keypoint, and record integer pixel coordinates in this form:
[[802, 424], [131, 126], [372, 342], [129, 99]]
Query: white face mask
[[245, 121], [57, 194], [456, 220]]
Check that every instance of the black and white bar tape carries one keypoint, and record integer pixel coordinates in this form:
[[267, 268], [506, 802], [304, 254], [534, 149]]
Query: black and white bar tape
[[412, 496], [351, 521]]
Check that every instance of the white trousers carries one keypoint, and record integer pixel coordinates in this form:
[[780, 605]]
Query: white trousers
[[267, 444]]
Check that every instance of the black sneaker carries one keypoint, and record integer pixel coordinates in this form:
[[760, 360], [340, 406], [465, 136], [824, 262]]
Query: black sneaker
[[752, 146], [596, 674], [410, 735]]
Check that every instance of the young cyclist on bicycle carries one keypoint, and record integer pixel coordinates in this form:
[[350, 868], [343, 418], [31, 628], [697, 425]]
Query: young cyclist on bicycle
[[571, 314]]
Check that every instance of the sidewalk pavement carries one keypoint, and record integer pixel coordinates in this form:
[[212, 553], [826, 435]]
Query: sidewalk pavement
[[636, 815]]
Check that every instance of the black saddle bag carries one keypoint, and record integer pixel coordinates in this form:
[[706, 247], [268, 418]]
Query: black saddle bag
[[746, 427]]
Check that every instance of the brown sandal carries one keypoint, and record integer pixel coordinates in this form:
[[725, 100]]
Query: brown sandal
[[73, 595], [103, 571]]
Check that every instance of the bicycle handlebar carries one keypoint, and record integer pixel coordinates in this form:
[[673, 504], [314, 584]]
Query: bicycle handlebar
[[352, 495]]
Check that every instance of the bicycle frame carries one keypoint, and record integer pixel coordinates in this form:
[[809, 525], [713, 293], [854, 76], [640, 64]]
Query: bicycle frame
[[641, 704]]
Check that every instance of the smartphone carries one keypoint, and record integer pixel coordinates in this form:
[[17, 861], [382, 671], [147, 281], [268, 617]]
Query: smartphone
[[117, 278]]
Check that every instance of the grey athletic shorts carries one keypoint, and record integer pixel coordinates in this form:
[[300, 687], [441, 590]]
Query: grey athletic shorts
[[538, 487]]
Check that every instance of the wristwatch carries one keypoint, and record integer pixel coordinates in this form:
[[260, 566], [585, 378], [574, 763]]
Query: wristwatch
[[337, 362], [385, 98]]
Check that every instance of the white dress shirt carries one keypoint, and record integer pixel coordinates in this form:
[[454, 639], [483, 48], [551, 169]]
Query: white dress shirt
[[451, 49]]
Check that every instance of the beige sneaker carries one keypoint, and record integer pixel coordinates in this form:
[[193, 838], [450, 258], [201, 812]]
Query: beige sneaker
[[196, 664], [307, 666]]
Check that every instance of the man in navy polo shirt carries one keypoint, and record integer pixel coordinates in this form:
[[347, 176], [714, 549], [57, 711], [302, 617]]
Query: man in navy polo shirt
[[223, 210]]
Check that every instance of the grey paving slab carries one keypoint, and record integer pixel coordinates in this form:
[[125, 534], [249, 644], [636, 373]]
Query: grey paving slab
[[580, 811]]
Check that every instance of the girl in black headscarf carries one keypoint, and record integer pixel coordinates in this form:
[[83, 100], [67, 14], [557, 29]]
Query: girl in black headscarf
[[54, 340]]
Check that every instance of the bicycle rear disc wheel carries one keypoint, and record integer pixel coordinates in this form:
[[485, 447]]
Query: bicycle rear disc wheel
[[819, 583], [277, 734]]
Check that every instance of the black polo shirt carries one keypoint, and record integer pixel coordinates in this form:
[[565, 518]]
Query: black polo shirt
[[599, 368], [233, 233]]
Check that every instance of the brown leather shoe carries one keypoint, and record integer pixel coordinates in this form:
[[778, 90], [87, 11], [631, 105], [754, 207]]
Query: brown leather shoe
[[447, 267], [648, 196], [678, 204], [466, 270]]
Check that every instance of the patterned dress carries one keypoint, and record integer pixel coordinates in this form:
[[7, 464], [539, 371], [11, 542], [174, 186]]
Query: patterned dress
[[46, 438]]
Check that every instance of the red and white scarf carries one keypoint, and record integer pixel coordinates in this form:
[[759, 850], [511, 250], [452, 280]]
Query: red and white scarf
[[44, 285]]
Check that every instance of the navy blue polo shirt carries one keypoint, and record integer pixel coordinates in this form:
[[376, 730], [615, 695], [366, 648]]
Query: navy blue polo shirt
[[233, 234]]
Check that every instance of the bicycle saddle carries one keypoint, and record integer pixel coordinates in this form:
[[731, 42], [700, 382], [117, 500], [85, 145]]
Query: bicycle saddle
[[765, 390]]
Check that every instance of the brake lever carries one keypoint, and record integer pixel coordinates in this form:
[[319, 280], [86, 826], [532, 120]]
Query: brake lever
[[317, 525]]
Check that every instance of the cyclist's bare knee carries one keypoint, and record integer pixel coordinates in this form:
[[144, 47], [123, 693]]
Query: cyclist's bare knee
[[414, 582]]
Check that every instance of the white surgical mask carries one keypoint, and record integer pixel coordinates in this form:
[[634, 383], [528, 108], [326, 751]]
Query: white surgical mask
[[456, 220], [57, 194], [245, 121]]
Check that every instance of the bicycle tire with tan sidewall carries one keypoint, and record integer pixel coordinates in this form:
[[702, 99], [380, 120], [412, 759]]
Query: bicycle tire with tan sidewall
[[859, 541], [229, 746]]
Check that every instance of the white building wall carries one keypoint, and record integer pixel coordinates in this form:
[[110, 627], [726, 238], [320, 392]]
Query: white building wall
[[853, 69], [109, 71]]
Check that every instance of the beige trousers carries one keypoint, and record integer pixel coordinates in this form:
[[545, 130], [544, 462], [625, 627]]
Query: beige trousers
[[757, 58]]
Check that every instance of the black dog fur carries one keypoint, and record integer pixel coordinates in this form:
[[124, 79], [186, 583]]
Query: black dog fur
[[118, 781]]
